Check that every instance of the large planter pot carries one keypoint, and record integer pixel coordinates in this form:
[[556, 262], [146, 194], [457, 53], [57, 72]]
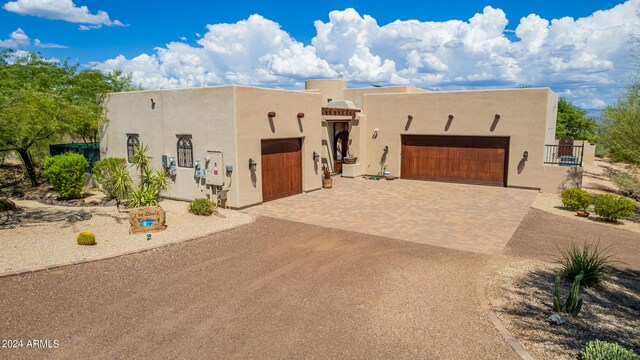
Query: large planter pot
[[582, 213], [327, 183], [349, 160]]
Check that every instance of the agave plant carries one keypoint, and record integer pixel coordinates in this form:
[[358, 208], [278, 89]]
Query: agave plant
[[143, 196]]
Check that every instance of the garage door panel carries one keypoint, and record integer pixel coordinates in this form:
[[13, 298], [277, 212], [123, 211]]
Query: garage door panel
[[481, 160], [281, 168]]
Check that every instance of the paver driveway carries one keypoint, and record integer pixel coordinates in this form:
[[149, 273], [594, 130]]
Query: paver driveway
[[473, 218]]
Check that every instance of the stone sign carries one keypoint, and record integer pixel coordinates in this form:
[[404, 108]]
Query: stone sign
[[147, 219]]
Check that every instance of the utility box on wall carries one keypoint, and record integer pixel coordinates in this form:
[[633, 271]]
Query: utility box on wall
[[214, 166]]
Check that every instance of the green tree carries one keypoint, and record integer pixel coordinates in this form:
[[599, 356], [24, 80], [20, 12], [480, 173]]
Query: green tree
[[621, 131], [41, 101], [572, 122]]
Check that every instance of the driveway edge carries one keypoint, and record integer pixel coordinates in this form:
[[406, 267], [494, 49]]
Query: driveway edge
[[124, 253], [495, 320]]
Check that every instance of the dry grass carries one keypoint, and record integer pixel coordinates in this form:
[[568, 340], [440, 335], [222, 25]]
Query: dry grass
[[521, 294]]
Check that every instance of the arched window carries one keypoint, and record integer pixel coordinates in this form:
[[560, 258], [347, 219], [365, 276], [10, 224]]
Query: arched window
[[185, 152], [132, 142]]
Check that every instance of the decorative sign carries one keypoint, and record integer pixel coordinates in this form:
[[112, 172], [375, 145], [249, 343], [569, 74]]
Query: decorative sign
[[147, 219]]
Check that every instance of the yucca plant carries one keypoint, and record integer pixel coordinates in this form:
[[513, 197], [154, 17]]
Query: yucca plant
[[141, 159], [120, 184], [159, 181], [593, 261]]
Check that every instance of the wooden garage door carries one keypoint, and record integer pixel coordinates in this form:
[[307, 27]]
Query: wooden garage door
[[465, 159], [281, 168]]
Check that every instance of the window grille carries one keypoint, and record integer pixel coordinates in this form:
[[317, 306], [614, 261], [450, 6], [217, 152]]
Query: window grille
[[185, 152], [132, 142]]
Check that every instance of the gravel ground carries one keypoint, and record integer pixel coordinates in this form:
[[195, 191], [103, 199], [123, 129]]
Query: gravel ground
[[521, 288], [275, 289], [46, 238]]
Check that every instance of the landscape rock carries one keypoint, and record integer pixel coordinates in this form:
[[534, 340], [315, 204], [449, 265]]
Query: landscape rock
[[556, 319], [79, 216], [6, 205]]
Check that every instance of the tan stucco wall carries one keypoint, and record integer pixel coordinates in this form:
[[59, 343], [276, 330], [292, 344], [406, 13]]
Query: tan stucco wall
[[253, 125], [356, 94], [206, 114], [328, 88], [557, 178], [523, 113]]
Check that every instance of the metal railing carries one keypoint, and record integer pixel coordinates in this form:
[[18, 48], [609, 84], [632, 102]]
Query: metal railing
[[564, 155]]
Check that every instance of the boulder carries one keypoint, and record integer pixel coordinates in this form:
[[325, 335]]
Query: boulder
[[7, 205]]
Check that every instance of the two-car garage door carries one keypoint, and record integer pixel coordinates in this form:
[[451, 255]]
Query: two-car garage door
[[464, 159]]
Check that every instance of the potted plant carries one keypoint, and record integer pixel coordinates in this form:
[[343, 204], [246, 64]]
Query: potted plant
[[327, 182], [350, 158]]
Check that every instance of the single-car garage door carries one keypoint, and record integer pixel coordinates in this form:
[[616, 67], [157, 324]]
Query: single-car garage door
[[465, 159], [281, 168]]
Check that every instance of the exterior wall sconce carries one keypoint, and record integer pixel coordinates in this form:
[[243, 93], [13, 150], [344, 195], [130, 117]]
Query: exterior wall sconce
[[153, 104], [497, 117], [525, 155], [410, 117], [271, 114], [386, 149], [316, 156], [300, 115], [450, 117], [252, 164]]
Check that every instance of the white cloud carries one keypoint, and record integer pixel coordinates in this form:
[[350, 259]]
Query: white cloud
[[16, 39], [19, 39], [586, 59], [40, 44], [62, 10], [251, 52]]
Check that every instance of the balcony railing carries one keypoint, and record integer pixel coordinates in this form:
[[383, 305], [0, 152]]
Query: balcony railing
[[564, 155]]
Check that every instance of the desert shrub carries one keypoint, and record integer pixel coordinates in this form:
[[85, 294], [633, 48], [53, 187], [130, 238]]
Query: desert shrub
[[86, 238], [105, 171], [143, 196], [614, 207], [204, 207], [66, 173], [602, 350], [628, 184], [591, 260], [576, 199]]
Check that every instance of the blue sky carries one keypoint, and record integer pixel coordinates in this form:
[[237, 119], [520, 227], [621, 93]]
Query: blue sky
[[494, 43]]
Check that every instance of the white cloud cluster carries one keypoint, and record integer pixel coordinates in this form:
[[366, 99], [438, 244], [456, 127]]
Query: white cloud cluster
[[585, 59], [62, 10], [19, 39]]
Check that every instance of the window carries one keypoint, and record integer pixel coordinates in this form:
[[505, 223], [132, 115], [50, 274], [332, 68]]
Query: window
[[185, 152], [132, 142]]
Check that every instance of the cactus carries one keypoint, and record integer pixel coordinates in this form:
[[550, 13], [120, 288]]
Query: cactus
[[556, 295], [86, 238], [573, 305]]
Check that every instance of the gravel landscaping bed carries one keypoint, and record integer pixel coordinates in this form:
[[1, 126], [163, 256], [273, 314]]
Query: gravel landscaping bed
[[520, 288], [39, 235]]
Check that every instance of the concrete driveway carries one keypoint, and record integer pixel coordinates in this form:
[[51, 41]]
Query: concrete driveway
[[472, 218]]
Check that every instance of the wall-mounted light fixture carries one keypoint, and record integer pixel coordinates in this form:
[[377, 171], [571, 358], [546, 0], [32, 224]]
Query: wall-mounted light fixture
[[153, 104], [386, 149], [252, 164], [316, 156], [410, 117], [525, 155], [300, 115], [271, 114]]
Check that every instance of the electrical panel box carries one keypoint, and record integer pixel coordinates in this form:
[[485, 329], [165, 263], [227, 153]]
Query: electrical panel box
[[167, 161], [214, 166]]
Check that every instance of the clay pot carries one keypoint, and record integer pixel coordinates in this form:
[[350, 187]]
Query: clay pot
[[390, 177], [349, 160], [327, 183], [582, 213]]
